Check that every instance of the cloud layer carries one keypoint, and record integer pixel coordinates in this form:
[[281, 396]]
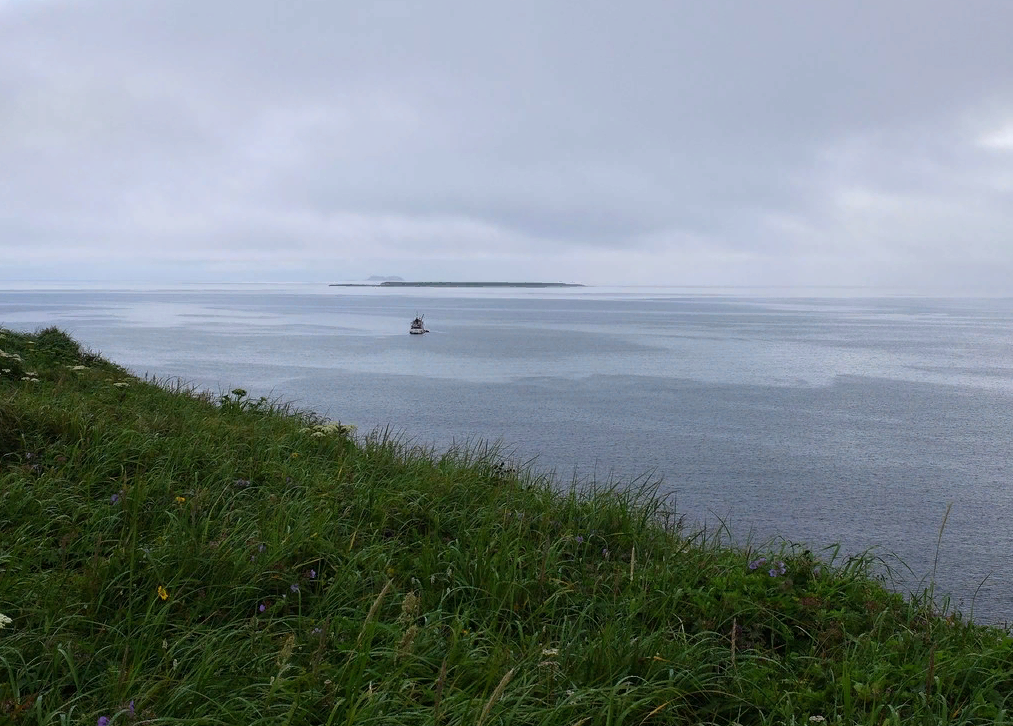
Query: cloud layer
[[851, 143]]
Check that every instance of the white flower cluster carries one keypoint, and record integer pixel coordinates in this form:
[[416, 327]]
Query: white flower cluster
[[4, 621], [12, 356], [30, 376], [332, 428]]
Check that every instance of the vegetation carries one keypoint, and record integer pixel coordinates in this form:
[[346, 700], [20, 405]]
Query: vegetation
[[171, 557]]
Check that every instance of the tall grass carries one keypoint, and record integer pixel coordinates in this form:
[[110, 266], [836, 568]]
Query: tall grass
[[167, 556]]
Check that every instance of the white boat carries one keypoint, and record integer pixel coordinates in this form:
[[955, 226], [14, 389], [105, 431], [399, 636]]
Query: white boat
[[417, 327]]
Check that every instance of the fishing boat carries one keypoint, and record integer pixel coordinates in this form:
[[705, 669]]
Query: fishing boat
[[417, 327]]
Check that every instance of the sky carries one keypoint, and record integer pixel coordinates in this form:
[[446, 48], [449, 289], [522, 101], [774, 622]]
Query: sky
[[651, 142]]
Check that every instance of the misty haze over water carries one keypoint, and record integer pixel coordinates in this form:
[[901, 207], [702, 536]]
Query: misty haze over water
[[818, 419]]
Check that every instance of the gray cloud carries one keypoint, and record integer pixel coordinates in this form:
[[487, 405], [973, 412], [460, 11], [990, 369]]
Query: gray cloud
[[658, 142]]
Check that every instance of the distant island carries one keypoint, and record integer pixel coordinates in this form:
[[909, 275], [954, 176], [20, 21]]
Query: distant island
[[402, 283], [384, 278]]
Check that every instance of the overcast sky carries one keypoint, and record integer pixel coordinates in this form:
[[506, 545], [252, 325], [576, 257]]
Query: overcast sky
[[661, 142]]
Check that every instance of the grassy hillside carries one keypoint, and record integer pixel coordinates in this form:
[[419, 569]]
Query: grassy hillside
[[172, 557]]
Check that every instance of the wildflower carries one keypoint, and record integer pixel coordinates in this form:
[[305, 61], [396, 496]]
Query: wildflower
[[121, 384], [262, 607], [550, 652], [295, 454], [175, 664], [580, 540], [316, 631], [130, 708], [757, 563], [79, 368], [313, 574], [242, 483], [816, 719], [4, 621], [294, 587], [180, 500], [114, 498], [262, 548], [163, 593], [5, 370], [103, 721]]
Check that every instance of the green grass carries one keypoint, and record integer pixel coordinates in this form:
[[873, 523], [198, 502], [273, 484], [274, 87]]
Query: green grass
[[316, 577]]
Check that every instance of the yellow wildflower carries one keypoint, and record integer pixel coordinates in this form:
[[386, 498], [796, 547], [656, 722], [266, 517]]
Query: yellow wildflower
[[163, 593], [180, 500]]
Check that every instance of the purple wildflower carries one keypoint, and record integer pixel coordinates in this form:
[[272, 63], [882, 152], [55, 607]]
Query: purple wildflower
[[783, 568], [130, 708], [757, 563], [580, 540], [313, 574], [242, 483], [294, 587], [317, 631], [774, 572], [262, 607], [103, 721], [114, 498]]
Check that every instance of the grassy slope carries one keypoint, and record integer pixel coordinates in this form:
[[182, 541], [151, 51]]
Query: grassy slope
[[314, 578]]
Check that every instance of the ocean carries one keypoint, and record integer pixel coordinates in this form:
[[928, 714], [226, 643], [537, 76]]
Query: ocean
[[809, 416]]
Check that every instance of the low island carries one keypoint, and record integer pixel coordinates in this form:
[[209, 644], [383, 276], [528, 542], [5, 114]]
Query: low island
[[403, 283], [168, 555]]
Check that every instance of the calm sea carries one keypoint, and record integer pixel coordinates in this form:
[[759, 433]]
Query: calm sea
[[854, 420]]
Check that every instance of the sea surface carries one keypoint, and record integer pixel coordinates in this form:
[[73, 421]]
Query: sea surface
[[816, 416]]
